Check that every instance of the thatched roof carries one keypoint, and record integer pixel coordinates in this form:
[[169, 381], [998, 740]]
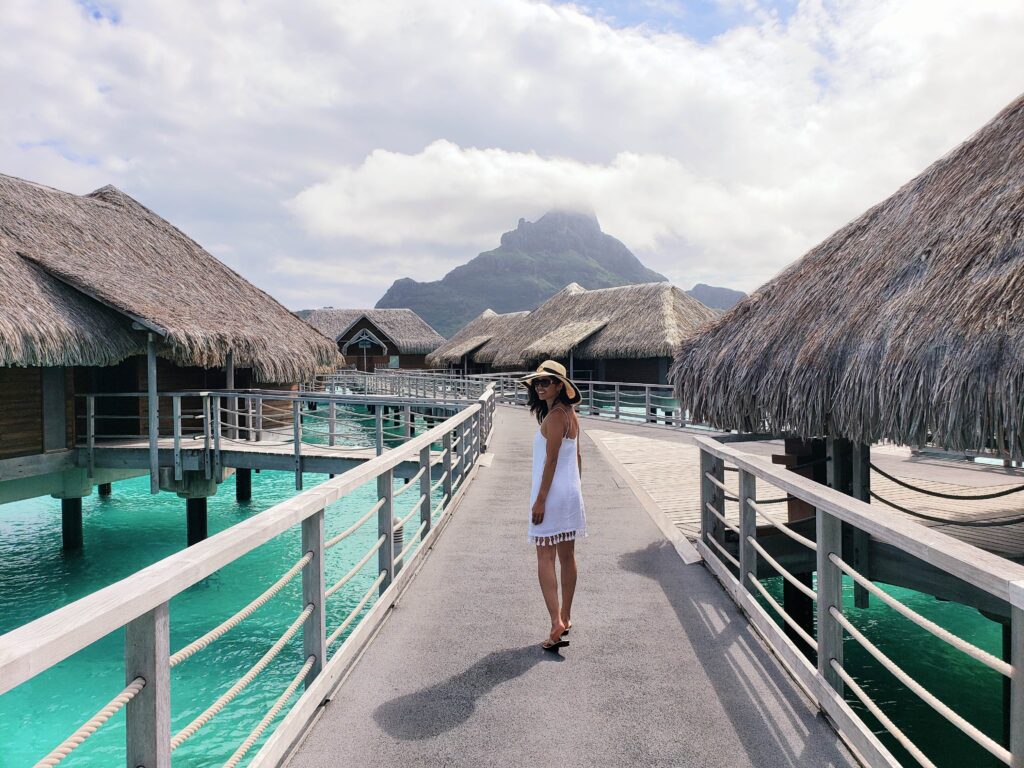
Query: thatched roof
[[907, 323], [473, 337], [77, 271], [632, 321], [407, 331]]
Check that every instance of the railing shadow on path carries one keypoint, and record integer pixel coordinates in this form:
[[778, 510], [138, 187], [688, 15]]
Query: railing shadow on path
[[724, 645], [431, 711]]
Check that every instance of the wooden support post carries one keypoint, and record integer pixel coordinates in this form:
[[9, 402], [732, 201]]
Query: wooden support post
[[1016, 724], [195, 520], [830, 595], [147, 648], [617, 399], [425, 506], [332, 422], [152, 406], [711, 494], [386, 553], [71, 524], [297, 441], [448, 464], [176, 418], [216, 426], [243, 485], [647, 407], [407, 427], [314, 632], [105, 489], [207, 434], [259, 419], [379, 429], [90, 433], [861, 487], [748, 529]]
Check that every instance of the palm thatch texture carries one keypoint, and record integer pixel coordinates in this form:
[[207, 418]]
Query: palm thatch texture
[[473, 338], [628, 322], [907, 323], [407, 331], [77, 271]]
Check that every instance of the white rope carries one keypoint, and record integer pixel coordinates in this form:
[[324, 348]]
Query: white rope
[[74, 741], [355, 568], [716, 481], [412, 542], [439, 481], [198, 645], [355, 611], [413, 511], [440, 504], [997, 750], [782, 528], [410, 484], [724, 522], [725, 553], [888, 724], [779, 610], [782, 571], [355, 526], [271, 714], [986, 658], [190, 730]]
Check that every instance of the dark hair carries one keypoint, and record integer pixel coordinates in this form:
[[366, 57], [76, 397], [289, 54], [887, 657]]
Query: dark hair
[[539, 407]]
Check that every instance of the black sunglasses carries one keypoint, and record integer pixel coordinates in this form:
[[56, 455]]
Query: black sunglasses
[[542, 382]]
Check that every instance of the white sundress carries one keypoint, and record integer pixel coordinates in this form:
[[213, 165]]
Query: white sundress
[[564, 516]]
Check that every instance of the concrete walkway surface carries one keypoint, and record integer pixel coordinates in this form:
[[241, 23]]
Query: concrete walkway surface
[[662, 669]]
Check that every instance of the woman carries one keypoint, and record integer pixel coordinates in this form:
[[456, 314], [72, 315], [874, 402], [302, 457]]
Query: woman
[[557, 515]]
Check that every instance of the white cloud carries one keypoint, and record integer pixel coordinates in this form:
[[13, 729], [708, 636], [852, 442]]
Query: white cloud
[[385, 139]]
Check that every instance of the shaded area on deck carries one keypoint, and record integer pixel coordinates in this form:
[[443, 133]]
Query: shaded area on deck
[[662, 669]]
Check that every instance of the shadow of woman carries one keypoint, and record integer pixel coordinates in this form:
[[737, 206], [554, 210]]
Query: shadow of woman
[[447, 704]]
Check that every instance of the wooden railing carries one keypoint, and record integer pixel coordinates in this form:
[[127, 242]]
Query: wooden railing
[[736, 554], [139, 603]]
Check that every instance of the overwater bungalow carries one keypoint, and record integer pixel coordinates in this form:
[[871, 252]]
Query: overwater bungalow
[[101, 295], [629, 333], [467, 350], [907, 324], [378, 338]]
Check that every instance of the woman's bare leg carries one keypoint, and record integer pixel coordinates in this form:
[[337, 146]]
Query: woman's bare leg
[[567, 559], [549, 588]]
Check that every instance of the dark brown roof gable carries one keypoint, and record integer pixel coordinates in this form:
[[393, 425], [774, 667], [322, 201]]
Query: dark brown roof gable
[[907, 323], [407, 330]]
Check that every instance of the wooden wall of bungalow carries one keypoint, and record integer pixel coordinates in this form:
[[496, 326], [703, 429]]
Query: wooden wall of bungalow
[[375, 356]]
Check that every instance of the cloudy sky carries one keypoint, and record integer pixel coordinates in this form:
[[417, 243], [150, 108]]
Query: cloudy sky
[[324, 148]]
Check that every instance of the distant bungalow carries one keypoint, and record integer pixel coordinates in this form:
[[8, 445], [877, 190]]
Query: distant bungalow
[[467, 349], [98, 294], [629, 333], [907, 324], [378, 338]]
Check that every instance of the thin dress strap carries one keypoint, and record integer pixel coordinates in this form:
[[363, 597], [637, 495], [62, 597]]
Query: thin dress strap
[[568, 421]]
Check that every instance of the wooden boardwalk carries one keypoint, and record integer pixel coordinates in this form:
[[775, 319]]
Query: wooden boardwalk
[[669, 472]]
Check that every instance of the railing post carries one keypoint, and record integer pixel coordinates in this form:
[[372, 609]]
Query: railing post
[[379, 426], [647, 407], [207, 434], [425, 505], [297, 441], [176, 417], [216, 439], [590, 395], [332, 421], [147, 649], [314, 632], [616, 400], [407, 414], [447, 465], [710, 494], [748, 529], [153, 409], [830, 594], [90, 432], [462, 452], [386, 553], [259, 418]]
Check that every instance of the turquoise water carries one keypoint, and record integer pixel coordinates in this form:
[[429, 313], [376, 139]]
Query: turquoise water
[[126, 532], [973, 690]]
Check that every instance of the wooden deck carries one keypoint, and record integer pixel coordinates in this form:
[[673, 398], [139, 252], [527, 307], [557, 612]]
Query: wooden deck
[[669, 472]]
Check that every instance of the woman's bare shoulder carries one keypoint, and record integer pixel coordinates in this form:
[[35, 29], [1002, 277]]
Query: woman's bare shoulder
[[557, 418]]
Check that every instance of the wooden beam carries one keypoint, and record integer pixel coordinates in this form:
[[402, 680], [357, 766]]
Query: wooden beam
[[153, 407]]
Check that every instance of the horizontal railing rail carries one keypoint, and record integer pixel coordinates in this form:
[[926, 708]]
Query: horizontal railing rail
[[139, 603], [731, 548]]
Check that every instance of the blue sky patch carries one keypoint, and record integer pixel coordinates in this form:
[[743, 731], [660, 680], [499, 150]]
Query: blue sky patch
[[61, 148], [97, 10]]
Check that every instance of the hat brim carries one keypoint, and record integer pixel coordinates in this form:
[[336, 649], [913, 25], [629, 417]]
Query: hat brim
[[571, 390]]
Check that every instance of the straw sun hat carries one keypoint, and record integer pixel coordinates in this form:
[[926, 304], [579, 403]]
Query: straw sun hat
[[551, 369]]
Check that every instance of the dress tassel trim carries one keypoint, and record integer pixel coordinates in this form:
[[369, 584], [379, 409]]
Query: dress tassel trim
[[547, 541]]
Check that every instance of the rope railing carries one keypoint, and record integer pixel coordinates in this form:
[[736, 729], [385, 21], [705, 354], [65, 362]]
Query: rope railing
[[409, 483], [355, 611], [784, 529], [335, 540], [724, 552], [197, 645], [415, 510], [412, 543], [793, 624], [959, 643], [951, 496], [273, 712], [990, 523], [721, 518], [222, 701], [783, 572], [93, 724], [356, 568], [991, 746], [439, 481]]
